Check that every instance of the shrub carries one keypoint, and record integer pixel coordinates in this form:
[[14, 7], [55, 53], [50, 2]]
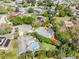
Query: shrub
[[62, 13], [18, 20], [30, 10], [27, 20], [68, 11]]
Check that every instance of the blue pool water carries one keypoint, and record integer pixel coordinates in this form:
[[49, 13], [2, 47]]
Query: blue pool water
[[34, 46], [50, 31]]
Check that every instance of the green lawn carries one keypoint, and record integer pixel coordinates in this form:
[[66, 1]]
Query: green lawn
[[45, 46]]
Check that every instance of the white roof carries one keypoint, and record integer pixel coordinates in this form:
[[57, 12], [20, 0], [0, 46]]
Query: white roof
[[3, 19], [19, 1], [24, 28], [69, 23], [2, 39]]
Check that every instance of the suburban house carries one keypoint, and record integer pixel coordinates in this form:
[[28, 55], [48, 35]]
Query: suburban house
[[2, 20], [18, 1], [69, 57], [13, 14], [69, 23], [37, 10], [64, 1], [12, 4], [49, 33], [40, 18], [4, 43], [77, 11], [23, 28], [27, 43]]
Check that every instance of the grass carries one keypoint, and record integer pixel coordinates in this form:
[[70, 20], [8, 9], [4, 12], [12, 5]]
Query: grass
[[8, 53], [15, 43], [45, 46]]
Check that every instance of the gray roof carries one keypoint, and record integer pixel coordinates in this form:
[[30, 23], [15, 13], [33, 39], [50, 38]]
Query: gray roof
[[24, 41], [7, 36], [69, 57], [27, 43], [24, 28], [2, 20], [18, 1]]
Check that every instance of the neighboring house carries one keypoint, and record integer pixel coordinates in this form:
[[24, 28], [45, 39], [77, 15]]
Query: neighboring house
[[4, 43], [52, 10], [36, 4], [3, 20], [18, 1], [77, 11], [49, 33], [27, 43], [13, 4], [1, 2], [40, 18], [23, 10], [69, 57], [77, 7], [23, 28], [8, 36], [37, 10], [69, 24], [13, 14], [74, 14], [57, 1], [65, 2]]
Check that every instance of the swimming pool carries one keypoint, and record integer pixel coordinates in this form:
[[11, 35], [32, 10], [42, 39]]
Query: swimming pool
[[50, 31], [34, 46]]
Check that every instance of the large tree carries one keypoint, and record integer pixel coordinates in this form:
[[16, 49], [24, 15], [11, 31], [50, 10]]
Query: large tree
[[31, 1]]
